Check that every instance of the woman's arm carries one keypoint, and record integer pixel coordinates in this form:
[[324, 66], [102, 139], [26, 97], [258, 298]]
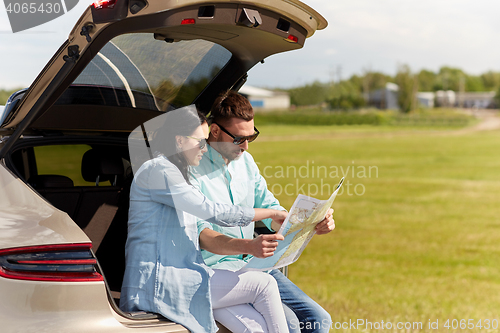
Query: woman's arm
[[166, 185], [278, 216]]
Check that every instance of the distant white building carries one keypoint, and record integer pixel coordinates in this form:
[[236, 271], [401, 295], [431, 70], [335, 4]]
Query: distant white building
[[263, 99], [426, 99], [446, 98], [480, 100], [385, 98]]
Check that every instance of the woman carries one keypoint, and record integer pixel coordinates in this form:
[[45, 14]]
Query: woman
[[165, 272]]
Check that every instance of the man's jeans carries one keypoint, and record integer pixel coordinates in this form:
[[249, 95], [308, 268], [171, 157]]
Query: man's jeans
[[306, 316]]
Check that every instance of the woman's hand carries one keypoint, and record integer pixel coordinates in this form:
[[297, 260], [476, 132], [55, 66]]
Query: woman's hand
[[279, 216], [277, 219]]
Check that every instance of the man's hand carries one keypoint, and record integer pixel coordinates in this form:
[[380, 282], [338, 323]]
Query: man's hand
[[264, 245], [327, 225]]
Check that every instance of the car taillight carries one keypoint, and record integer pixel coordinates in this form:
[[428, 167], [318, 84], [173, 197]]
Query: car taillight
[[188, 21], [59, 262], [99, 4], [105, 11], [292, 39]]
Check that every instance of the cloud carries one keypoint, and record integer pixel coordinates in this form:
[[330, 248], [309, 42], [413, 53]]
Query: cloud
[[331, 51], [384, 33], [361, 33]]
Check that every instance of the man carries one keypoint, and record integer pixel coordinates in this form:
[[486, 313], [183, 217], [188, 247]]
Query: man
[[228, 174]]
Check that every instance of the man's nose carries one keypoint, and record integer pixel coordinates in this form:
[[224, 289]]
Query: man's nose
[[244, 145]]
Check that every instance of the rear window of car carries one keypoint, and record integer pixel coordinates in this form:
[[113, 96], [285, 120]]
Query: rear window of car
[[141, 71], [64, 160]]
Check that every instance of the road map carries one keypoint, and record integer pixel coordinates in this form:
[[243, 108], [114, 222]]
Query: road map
[[298, 229]]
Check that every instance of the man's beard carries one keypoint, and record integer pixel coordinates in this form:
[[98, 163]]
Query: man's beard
[[228, 150]]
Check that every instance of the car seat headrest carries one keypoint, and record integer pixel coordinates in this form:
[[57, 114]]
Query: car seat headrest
[[99, 166]]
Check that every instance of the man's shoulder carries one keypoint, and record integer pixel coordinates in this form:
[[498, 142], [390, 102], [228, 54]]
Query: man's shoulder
[[245, 162], [247, 156]]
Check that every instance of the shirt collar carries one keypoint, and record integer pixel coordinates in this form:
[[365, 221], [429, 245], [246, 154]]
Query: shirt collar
[[214, 156]]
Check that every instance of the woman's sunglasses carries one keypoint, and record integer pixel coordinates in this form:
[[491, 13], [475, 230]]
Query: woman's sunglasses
[[202, 142], [238, 140]]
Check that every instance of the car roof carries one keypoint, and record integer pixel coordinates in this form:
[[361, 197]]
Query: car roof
[[234, 25]]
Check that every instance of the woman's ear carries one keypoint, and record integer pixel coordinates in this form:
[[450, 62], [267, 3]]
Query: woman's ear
[[179, 140]]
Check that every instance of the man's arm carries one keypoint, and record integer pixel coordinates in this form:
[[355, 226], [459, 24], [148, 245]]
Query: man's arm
[[262, 246]]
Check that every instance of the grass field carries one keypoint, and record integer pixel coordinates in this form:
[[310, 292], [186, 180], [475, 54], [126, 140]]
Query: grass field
[[417, 239]]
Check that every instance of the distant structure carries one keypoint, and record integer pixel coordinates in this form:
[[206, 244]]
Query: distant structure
[[387, 98], [426, 99], [446, 98], [480, 100], [265, 100]]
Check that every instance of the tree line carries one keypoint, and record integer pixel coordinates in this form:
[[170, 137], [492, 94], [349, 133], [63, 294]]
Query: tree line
[[5, 94], [353, 92]]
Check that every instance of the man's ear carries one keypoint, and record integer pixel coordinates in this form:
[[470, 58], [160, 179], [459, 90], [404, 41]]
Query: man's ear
[[214, 130]]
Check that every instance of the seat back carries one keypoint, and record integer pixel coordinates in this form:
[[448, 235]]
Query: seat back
[[103, 212], [100, 211], [98, 204], [59, 191]]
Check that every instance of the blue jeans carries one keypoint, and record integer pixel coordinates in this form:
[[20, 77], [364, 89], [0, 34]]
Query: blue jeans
[[303, 314]]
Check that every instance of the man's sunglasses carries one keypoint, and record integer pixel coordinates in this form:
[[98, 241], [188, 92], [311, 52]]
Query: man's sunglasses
[[238, 140], [202, 142]]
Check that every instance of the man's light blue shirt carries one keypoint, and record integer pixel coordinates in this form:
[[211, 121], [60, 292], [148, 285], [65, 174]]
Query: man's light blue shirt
[[239, 183]]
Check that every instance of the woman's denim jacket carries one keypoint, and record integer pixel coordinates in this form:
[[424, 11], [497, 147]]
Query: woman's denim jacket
[[165, 272]]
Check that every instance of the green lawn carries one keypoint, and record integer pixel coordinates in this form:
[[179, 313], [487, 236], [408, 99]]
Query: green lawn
[[417, 239]]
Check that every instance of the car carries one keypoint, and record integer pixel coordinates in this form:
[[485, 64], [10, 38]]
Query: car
[[65, 167]]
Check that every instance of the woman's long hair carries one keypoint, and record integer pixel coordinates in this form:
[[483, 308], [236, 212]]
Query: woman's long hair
[[179, 122]]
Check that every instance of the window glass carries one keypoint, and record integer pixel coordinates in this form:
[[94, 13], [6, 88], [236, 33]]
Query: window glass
[[64, 160], [139, 71]]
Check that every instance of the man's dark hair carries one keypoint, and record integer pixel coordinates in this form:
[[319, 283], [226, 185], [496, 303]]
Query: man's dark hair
[[229, 105]]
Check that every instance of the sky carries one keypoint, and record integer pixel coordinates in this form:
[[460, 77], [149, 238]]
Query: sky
[[362, 35]]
